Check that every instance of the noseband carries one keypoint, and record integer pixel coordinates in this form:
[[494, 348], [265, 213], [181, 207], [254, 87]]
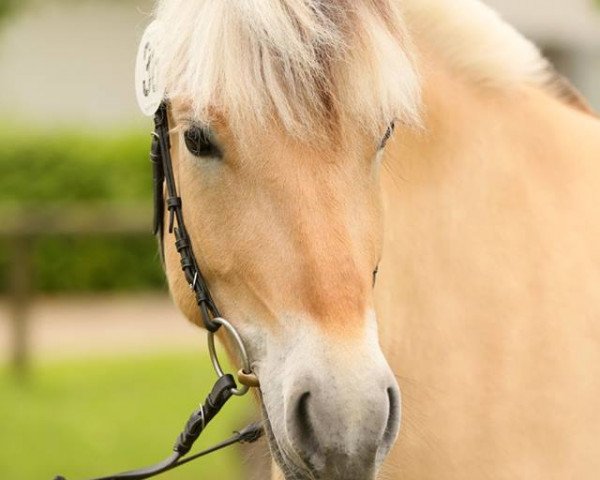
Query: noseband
[[225, 387]]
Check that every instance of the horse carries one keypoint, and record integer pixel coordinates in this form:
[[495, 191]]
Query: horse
[[395, 203]]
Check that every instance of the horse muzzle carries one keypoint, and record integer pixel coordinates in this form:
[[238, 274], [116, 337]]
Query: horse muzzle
[[334, 413]]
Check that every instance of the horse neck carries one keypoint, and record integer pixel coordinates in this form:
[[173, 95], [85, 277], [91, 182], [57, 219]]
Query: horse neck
[[509, 132], [481, 205], [490, 274]]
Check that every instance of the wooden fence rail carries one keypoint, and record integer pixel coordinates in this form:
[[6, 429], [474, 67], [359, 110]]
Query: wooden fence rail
[[21, 225]]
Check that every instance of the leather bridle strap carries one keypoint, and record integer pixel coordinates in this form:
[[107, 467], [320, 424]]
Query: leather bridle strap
[[225, 387], [195, 425], [164, 179]]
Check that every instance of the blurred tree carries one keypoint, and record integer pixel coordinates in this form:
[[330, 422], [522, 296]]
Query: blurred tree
[[79, 169], [5, 7]]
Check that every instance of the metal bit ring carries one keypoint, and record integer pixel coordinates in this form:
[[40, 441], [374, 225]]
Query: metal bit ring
[[241, 350]]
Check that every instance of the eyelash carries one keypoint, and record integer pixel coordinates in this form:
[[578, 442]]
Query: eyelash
[[387, 136]]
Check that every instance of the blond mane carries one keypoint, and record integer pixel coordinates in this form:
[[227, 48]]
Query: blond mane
[[310, 63]]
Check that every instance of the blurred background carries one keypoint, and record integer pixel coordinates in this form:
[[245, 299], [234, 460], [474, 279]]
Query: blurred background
[[97, 368]]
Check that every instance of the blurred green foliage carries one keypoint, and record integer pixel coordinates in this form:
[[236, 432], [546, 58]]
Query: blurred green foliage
[[5, 7], [95, 417], [8, 6], [64, 168], [97, 264], [70, 167]]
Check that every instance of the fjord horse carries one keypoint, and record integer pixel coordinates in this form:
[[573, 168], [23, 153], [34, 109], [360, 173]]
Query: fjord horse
[[475, 354]]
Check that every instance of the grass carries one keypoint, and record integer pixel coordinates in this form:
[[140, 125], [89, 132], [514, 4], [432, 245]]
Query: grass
[[96, 417]]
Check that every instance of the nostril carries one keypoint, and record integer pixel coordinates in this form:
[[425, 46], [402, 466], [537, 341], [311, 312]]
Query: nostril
[[306, 440], [393, 421]]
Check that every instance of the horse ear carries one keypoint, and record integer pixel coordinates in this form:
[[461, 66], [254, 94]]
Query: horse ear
[[568, 93]]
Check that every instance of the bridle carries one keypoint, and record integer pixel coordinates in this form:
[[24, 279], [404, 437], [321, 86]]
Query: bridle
[[225, 387], [162, 167]]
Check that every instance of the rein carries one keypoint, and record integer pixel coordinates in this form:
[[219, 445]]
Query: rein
[[225, 387]]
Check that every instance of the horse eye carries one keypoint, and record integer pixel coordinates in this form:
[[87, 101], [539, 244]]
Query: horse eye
[[375, 275], [199, 143], [387, 135]]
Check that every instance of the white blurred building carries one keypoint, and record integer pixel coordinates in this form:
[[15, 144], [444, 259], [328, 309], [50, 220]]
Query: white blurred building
[[569, 33], [71, 62]]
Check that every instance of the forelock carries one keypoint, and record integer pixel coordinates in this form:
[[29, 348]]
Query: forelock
[[307, 65]]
